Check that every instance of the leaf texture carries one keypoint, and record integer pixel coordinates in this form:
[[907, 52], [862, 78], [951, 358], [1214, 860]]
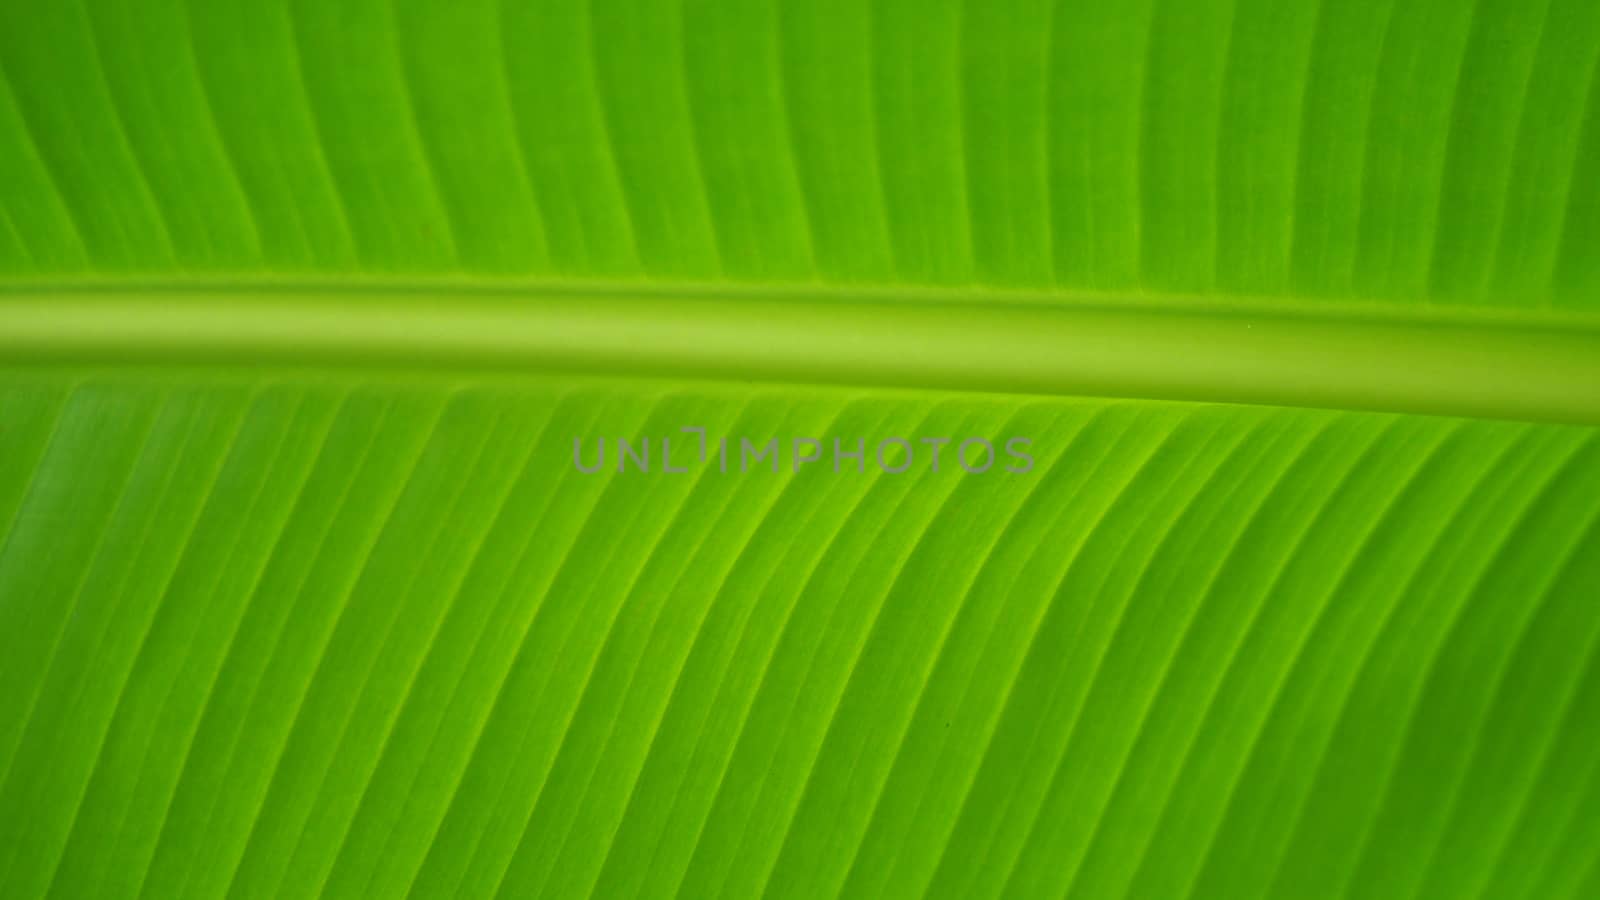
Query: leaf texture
[[1438, 152], [303, 306], [367, 637]]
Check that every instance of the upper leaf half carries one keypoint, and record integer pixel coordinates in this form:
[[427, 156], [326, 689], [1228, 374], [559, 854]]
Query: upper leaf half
[[1433, 152]]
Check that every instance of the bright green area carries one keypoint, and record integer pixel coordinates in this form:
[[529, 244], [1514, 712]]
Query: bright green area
[[303, 303], [276, 636], [1431, 151]]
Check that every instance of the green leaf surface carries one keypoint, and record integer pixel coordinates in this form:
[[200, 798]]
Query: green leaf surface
[[304, 305]]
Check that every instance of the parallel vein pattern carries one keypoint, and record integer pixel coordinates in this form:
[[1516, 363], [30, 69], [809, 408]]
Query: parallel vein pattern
[[368, 636], [1429, 151], [303, 304]]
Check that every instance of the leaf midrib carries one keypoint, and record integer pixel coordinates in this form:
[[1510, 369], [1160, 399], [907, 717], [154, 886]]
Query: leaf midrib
[[1445, 361]]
